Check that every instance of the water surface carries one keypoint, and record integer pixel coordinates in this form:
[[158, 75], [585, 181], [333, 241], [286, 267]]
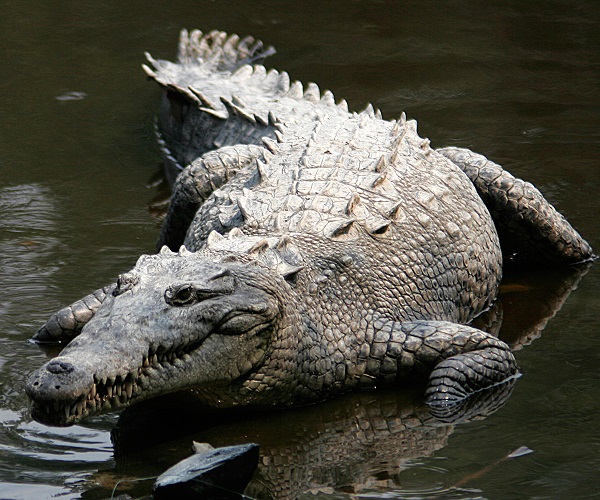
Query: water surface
[[516, 81]]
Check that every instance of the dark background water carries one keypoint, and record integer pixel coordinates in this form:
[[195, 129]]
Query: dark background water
[[518, 81]]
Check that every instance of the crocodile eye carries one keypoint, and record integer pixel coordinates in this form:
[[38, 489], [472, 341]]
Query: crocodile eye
[[181, 295]]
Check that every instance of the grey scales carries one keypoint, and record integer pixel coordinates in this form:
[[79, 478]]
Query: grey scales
[[307, 251]]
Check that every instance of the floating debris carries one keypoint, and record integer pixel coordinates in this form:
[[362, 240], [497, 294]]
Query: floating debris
[[71, 96]]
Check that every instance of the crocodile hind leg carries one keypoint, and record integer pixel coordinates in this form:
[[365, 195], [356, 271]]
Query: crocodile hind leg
[[529, 227], [67, 323], [199, 180], [460, 360]]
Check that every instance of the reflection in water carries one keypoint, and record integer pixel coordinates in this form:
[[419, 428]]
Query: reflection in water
[[527, 301], [354, 444]]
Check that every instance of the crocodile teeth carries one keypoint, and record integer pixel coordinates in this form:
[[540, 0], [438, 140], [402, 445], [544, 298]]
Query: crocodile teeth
[[128, 389]]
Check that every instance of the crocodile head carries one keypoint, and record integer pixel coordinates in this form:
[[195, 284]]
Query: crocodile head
[[175, 321]]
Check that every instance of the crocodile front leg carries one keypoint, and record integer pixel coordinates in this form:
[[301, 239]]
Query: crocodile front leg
[[528, 225], [67, 323], [459, 359]]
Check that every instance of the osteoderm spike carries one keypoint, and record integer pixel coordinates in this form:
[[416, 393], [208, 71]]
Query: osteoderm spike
[[236, 232], [182, 45], [260, 120], [343, 105], [342, 229], [180, 90], [213, 238], [231, 108], [272, 78], [243, 72], [380, 227], [260, 72], [296, 90], [381, 164], [165, 250], [213, 112], [287, 271], [380, 180], [237, 101], [396, 211], [270, 144], [238, 111], [328, 98], [354, 200], [183, 251], [283, 84], [259, 247], [280, 126], [312, 93], [148, 71], [272, 119], [242, 203], [231, 42], [267, 156], [247, 116], [245, 43], [150, 59], [260, 166], [283, 243]]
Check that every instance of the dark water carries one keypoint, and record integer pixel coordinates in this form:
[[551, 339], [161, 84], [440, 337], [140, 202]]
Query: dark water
[[517, 81]]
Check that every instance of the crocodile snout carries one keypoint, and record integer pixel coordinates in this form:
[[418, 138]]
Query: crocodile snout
[[59, 367]]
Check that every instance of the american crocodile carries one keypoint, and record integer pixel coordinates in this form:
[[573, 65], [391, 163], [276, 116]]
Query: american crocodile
[[307, 251]]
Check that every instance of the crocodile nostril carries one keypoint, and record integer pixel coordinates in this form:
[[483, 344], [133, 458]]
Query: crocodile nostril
[[58, 367]]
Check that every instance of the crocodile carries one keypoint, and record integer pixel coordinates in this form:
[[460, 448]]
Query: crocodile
[[307, 251]]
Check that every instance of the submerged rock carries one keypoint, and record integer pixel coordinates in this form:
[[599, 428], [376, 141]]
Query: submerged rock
[[221, 473]]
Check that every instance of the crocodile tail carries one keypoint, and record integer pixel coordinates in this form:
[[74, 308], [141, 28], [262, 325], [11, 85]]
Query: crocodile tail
[[224, 52]]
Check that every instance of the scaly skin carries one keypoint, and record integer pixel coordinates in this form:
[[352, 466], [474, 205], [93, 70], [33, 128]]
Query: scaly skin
[[325, 251]]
